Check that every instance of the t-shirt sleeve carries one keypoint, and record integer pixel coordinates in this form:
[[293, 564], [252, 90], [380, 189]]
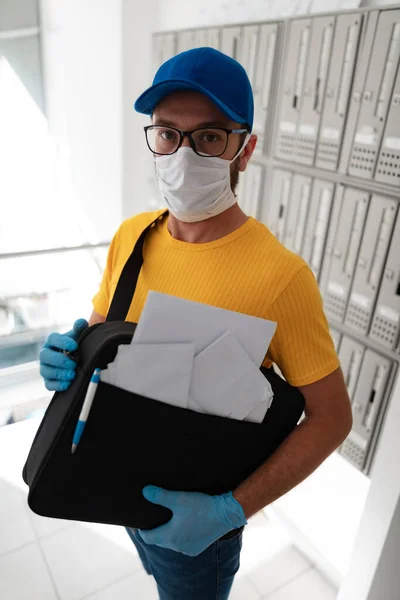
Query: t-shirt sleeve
[[302, 346], [101, 300]]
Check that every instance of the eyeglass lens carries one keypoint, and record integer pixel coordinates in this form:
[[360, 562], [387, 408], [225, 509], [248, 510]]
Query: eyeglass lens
[[210, 142]]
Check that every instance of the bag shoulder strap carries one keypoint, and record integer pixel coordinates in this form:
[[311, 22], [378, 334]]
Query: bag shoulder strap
[[127, 281]]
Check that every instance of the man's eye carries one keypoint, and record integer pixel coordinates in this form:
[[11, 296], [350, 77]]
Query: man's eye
[[210, 137], [167, 135]]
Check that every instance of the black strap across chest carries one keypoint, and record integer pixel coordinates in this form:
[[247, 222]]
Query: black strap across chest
[[128, 279]]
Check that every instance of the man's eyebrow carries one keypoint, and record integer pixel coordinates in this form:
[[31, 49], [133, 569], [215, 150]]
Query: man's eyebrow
[[165, 123]]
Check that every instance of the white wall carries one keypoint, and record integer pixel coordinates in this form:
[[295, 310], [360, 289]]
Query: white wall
[[375, 538], [387, 580], [377, 2], [177, 14], [138, 173], [97, 61], [83, 78]]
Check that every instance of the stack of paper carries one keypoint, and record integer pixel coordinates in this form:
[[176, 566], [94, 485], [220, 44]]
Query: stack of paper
[[226, 382], [170, 320], [198, 357], [159, 371]]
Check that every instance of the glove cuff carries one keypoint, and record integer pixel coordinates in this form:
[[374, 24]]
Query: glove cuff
[[234, 512]]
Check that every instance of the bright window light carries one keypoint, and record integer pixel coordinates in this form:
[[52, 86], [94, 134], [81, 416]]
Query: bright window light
[[35, 203]]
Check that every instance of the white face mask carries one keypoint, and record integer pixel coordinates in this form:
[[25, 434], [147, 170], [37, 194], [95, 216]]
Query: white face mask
[[195, 187]]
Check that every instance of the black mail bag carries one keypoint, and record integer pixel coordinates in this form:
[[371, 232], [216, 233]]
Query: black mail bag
[[131, 441]]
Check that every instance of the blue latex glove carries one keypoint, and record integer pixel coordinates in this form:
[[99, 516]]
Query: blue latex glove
[[198, 519], [56, 368]]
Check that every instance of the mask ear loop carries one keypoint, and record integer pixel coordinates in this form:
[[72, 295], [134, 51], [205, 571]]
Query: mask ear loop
[[246, 141]]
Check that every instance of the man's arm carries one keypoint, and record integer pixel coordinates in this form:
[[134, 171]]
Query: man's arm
[[327, 423], [95, 317]]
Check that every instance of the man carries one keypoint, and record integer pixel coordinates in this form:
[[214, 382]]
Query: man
[[209, 251]]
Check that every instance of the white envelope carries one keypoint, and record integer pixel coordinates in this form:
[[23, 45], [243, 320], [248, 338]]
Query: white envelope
[[169, 319], [158, 371], [105, 375], [192, 405], [226, 382], [257, 415], [108, 375], [122, 350]]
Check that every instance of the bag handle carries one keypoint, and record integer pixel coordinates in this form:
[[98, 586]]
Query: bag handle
[[127, 281]]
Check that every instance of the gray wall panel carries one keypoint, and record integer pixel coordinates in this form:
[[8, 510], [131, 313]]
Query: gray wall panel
[[18, 14]]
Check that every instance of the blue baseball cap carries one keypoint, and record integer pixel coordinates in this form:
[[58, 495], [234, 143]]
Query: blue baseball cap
[[208, 71]]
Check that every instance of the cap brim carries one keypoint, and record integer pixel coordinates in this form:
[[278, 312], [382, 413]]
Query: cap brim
[[147, 101]]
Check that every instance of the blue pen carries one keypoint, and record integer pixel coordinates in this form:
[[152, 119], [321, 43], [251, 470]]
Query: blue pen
[[80, 426]]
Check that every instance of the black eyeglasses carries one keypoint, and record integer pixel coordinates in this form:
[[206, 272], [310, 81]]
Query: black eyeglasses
[[207, 141]]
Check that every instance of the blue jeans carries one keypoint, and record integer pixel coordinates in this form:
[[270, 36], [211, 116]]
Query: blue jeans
[[208, 576]]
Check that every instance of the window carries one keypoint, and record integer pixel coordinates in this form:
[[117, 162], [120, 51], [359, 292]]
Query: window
[[46, 278]]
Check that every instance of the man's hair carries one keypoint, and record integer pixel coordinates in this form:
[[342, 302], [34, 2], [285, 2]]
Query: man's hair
[[234, 174], [235, 166]]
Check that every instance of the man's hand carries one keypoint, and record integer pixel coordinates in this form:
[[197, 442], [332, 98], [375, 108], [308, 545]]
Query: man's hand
[[198, 519], [56, 368]]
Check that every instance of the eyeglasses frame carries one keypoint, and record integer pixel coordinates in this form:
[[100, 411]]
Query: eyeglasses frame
[[183, 134]]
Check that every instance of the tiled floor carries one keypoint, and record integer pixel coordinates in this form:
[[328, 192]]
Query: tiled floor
[[50, 559]]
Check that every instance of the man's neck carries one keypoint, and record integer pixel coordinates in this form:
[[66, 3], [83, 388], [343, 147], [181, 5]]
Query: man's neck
[[209, 230]]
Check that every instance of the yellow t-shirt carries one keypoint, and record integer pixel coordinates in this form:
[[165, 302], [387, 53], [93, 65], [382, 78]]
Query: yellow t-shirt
[[248, 271]]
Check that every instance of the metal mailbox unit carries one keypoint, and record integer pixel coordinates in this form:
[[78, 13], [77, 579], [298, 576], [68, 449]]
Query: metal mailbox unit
[[297, 51], [273, 210], [336, 337], [351, 355], [388, 165], [208, 37], [316, 74], [368, 403], [369, 268], [297, 213], [325, 178], [250, 189], [230, 42], [164, 47], [376, 96], [337, 92], [248, 50], [264, 75], [344, 255], [185, 41], [385, 326], [255, 47], [317, 224], [197, 38]]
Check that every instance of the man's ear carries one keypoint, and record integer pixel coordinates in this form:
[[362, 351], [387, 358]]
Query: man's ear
[[247, 152]]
